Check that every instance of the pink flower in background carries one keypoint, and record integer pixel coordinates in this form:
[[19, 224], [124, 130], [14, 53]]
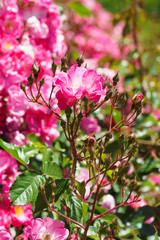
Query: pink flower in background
[[74, 236], [5, 218], [75, 84], [155, 179], [8, 168], [11, 23], [108, 202], [28, 32], [156, 113], [4, 234], [46, 228], [21, 215], [83, 176], [137, 204], [16, 102], [90, 125]]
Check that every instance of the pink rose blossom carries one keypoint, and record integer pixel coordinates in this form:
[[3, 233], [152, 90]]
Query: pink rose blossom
[[11, 23], [36, 28], [5, 218], [75, 84], [4, 234], [90, 125], [8, 168], [156, 113], [83, 177], [108, 202], [21, 215], [155, 179], [41, 229], [74, 236], [16, 102], [137, 204]]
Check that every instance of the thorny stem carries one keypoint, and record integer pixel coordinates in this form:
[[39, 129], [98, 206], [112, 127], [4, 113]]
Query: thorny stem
[[51, 208], [120, 205]]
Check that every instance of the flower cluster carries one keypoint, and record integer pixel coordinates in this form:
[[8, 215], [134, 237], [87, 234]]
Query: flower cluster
[[15, 215], [29, 31]]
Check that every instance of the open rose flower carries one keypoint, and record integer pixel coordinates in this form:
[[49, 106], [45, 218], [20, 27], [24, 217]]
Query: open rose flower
[[75, 84], [46, 229], [21, 215]]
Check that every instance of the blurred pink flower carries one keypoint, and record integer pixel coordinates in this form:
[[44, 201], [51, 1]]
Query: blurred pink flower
[[90, 125], [8, 168], [138, 204], [155, 179], [4, 234], [83, 176], [46, 229], [156, 113], [108, 202], [5, 218], [11, 23], [16, 102]]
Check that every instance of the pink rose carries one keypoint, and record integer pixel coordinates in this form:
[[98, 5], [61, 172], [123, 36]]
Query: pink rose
[[108, 202], [75, 84], [4, 234], [90, 125], [137, 204], [41, 229], [21, 215]]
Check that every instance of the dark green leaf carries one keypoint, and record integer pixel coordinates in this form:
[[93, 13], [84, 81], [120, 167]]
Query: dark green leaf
[[75, 205], [40, 202], [61, 186], [25, 188], [15, 151]]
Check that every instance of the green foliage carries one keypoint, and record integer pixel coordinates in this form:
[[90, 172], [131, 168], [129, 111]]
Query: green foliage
[[25, 188], [52, 169], [76, 207], [114, 5], [92, 233], [15, 151], [61, 186]]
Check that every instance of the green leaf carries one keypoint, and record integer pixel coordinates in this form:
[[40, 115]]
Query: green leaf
[[75, 205], [33, 137], [52, 169], [40, 202], [117, 115], [61, 186], [15, 151], [85, 211], [80, 9], [149, 164], [25, 188], [92, 233]]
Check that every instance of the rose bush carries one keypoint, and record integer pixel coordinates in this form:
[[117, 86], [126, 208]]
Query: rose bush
[[82, 140]]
